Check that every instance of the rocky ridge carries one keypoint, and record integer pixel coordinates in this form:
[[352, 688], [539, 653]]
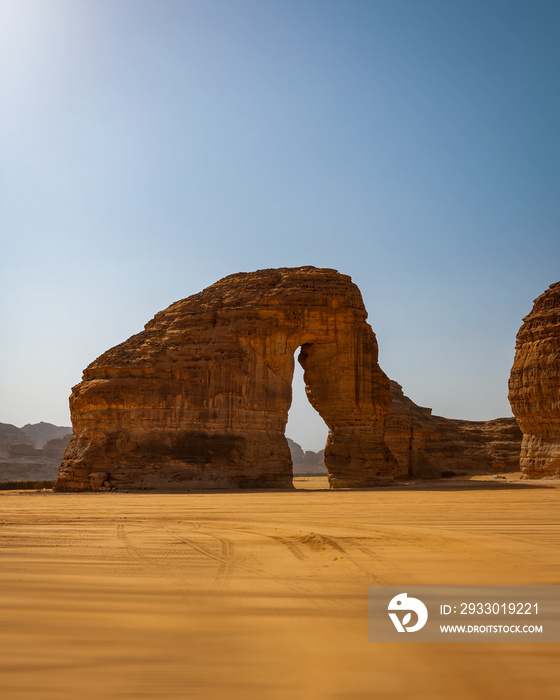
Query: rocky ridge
[[32, 453], [307, 462]]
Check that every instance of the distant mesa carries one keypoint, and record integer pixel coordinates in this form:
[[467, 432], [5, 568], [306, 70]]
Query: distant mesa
[[41, 433], [308, 462], [10, 435], [200, 398], [32, 453], [534, 386]]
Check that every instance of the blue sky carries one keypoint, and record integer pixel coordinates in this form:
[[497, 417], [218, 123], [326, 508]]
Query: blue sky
[[151, 147]]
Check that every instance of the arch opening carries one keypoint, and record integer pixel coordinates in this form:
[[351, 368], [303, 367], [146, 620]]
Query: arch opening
[[306, 431]]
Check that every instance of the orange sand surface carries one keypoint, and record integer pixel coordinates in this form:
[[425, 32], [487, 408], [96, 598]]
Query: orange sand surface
[[263, 594]]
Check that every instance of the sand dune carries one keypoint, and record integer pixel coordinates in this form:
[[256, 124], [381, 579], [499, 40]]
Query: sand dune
[[262, 595]]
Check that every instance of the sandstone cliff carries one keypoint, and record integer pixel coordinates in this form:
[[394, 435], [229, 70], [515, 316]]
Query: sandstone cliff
[[200, 398], [534, 386], [428, 446]]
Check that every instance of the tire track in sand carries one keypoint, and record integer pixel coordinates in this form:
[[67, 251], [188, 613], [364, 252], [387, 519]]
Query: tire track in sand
[[226, 558], [293, 548], [135, 553], [317, 541], [228, 563]]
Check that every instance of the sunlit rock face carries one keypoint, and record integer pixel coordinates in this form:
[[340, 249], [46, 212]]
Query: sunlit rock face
[[427, 446], [200, 398], [534, 386]]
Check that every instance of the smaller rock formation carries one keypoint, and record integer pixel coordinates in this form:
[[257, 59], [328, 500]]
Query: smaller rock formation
[[427, 446], [99, 481], [534, 386], [22, 449]]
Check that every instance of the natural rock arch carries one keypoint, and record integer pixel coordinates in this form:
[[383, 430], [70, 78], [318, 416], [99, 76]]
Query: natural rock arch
[[200, 398]]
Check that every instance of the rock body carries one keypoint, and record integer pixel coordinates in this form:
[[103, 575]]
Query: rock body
[[427, 446], [534, 386], [200, 398]]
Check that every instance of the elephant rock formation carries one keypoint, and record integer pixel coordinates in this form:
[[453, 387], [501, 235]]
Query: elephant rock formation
[[200, 398]]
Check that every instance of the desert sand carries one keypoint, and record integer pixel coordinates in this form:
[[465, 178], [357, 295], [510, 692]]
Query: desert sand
[[263, 594]]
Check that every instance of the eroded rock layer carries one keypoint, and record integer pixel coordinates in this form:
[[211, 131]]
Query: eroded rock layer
[[427, 446], [200, 398], [534, 386]]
